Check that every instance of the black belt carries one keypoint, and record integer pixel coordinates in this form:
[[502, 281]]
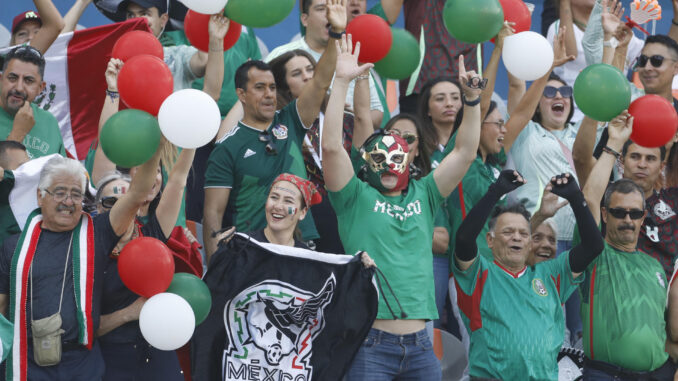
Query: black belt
[[618, 371]]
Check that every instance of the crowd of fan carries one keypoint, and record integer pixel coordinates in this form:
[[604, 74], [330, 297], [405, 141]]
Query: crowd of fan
[[578, 253]]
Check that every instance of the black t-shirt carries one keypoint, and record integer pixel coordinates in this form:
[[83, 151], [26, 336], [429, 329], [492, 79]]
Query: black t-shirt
[[117, 296], [48, 273], [261, 237]]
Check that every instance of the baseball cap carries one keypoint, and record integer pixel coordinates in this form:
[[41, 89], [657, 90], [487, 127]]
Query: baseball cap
[[117, 10], [25, 16]]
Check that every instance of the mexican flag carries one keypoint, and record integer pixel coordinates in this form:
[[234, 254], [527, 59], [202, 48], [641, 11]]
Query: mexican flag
[[76, 86]]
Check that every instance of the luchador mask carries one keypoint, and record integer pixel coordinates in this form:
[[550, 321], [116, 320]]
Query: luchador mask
[[387, 154]]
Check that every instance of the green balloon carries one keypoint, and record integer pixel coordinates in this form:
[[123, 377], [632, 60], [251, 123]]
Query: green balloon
[[130, 137], [602, 92], [473, 21], [196, 293], [403, 58], [258, 13]]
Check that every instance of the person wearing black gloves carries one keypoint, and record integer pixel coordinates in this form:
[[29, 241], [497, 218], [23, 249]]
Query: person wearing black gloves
[[512, 311]]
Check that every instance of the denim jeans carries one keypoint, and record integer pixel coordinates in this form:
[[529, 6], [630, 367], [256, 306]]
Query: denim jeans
[[385, 356], [441, 276]]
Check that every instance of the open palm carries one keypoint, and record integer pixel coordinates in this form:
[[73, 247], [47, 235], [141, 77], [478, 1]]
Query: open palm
[[347, 62]]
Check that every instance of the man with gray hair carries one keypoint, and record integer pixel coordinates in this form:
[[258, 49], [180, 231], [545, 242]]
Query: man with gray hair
[[51, 274]]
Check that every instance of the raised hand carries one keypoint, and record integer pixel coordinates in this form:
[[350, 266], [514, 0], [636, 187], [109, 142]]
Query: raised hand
[[505, 31], [560, 56], [508, 181], [565, 186], [623, 34], [218, 26], [336, 15], [23, 122], [347, 62], [611, 15], [112, 71], [472, 84], [620, 128], [549, 203]]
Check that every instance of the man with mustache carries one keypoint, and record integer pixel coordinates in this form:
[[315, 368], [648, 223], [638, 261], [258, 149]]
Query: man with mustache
[[624, 291], [21, 82]]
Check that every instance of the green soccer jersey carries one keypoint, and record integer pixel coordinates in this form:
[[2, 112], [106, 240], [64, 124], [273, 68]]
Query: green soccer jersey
[[515, 321], [43, 139], [8, 224], [623, 303], [241, 162], [397, 232]]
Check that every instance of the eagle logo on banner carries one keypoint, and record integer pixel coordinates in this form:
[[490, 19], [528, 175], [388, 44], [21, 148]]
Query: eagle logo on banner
[[271, 327]]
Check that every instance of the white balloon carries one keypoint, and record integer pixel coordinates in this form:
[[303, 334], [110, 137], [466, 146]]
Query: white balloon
[[527, 55], [208, 7], [167, 321], [189, 118]]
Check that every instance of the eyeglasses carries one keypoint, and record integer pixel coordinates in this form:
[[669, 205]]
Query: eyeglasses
[[61, 196], [655, 60], [265, 137], [550, 91], [409, 138], [620, 213], [108, 202]]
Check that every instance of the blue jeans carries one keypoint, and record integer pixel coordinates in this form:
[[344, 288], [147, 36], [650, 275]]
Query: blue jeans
[[385, 357], [441, 276]]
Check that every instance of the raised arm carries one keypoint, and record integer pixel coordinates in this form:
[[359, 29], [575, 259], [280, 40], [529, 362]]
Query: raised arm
[[624, 35], [73, 15], [465, 248], [493, 66], [619, 130], [391, 9], [235, 114], [565, 13], [591, 245], [453, 168], [123, 212], [102, 164], [337, 167], [52, 23], [548, 207], [673, 30], [214, 68], [611, 14], [170, 201], [313, 94], [362, 125], [528, 103], [582, 149]]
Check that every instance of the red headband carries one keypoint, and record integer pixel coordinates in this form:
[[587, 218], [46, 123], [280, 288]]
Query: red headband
[[308, 190]]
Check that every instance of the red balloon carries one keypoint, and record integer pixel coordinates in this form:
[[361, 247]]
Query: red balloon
[[654, 121], [196, 29], [144, 82], [135, 43], [146, 266], [516, 11], [374, 35]]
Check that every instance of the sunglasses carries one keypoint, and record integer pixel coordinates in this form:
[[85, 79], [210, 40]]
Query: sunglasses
[[621, 213], [550, 91], [409, 138], [108, 202], [656, 60], [265, 137]]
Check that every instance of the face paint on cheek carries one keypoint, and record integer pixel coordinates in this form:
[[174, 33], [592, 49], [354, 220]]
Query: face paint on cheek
[[291, 210], [119, 190]]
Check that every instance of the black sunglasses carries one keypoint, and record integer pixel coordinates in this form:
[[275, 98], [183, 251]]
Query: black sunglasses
[[29, 49], [620, 213], [108, 202], [656, 60], [550, 91], [265, 137]]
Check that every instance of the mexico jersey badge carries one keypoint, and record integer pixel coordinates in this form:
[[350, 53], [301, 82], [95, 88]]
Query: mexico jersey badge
[[663, 211], [539, 287], [280, 131]]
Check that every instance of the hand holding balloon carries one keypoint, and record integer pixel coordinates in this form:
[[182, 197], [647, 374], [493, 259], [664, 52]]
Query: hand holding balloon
[[619, 129]]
